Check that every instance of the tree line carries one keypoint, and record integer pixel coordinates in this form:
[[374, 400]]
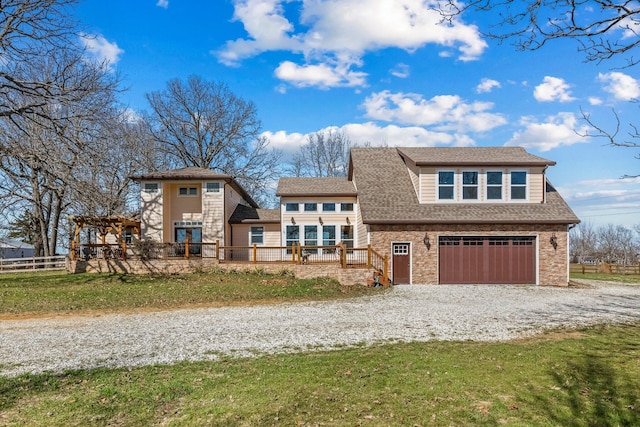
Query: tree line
[[609, 243]]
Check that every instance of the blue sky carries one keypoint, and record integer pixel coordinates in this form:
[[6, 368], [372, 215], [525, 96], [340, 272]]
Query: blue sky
[[386, 73]]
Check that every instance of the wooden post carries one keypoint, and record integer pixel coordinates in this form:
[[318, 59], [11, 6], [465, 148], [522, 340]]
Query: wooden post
[[385, 269], [186, 249], [344, 256], [255, 253], [369, 255], [124, 250], [299, 253], [217, 251], [73, 250]]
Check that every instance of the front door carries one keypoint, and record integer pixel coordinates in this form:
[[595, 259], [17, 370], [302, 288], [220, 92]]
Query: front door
[[401, 263]]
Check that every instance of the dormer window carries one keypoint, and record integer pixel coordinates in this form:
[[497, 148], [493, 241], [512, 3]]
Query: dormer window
[[446, 180], [518, 185], [494, 185], [470, 185]]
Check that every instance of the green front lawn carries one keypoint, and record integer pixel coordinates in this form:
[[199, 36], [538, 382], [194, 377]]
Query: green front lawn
[[59, 292], [575, 378]]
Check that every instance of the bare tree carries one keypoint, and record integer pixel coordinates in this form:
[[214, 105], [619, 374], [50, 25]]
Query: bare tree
[[204, 124], [47, 154], [583, 241], [325, 154], [603, 29], [32, 30]]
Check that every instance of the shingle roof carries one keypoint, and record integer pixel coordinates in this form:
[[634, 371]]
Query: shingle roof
[[490, 156], [386, 195], [194, 173], [189, 173], [249, 215], [327, 186]]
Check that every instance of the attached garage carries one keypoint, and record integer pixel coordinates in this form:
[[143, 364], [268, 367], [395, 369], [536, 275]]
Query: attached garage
[[487, 260]]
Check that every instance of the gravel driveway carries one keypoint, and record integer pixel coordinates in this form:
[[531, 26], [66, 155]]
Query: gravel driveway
[[407, 313]]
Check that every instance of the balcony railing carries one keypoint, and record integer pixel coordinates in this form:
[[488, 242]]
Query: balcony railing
[[296, 254]]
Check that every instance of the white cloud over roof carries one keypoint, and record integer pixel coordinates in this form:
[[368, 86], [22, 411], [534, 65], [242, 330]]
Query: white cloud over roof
[[559, 130], [443, 112], [340, 32]]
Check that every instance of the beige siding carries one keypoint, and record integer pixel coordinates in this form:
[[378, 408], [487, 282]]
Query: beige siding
[[240, 233], [152, 210], [213, 213], [414, 173], [362, 238], [428, 184], [232, 200], [180, 208]]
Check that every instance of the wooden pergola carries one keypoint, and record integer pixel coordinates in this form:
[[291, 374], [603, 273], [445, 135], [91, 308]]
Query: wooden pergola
[[115, 225]]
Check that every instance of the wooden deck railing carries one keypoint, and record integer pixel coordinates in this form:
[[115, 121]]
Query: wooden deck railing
[[296, 254]]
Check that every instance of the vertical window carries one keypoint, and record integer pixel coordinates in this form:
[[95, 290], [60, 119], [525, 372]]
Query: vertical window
[[291, 207], [518, 185], [292, 236], [310, 207], [470, 185], [257, 235], [311, 235], [445, 185], [328, 235], [346, 235], [346, 207], [494, 185], [150, 187], [328, 207], [213, 187]]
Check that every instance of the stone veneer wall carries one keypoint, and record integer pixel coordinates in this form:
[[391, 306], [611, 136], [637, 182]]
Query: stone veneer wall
[[552, 263], [346, 276]]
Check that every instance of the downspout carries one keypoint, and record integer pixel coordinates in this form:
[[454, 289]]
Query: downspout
[[544, 184]]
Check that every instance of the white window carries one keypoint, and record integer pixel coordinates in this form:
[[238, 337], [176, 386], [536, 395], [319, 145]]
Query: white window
[[469, 185], [310, 207], [494, 185], [401, 249], [187, 191], [150, 187], [291, 207], [213, 187], [446, 182], [328, 207], [346, 235], [346, 207], [257, 235], [292, 236], [518, 185], [328, 235]]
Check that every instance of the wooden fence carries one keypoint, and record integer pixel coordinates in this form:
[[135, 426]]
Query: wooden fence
[[296, 254], [19, 265], [604, 268]]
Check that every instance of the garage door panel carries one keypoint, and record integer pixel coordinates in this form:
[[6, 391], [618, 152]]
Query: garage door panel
[[487, 260]]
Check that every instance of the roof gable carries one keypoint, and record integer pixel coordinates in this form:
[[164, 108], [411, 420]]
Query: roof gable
[[325, 186], [476, 156]]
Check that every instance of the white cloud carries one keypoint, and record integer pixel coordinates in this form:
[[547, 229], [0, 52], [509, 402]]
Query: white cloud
[[594, 100], [163, 4], [400, 71], [559, 130], [487, 85], [620, 85], [372, 134], [342, 31], [553, 89], [443, 112], [102, 49], [322, 75]]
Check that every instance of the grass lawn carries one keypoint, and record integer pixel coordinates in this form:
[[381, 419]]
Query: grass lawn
[[589, 377], [622, 278], [62, 293]]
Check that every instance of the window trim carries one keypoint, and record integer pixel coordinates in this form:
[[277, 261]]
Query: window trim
[[147, 187], [526, 185], [342, 207], [463, 185], [487, 185], [328, 210], [253, 234], [452, 186], [188, 191], [287, 205], [310, 205], [212, 187]]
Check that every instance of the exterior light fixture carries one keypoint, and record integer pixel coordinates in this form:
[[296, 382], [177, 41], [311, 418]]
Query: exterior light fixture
[[293, 221], [554, 241], [348, 221], [426, 241], [320, 220]]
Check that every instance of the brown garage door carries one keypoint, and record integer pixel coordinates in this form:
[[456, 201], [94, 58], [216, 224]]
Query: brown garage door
[[487, 260]]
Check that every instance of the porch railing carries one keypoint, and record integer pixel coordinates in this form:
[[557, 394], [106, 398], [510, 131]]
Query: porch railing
[[296, 254]]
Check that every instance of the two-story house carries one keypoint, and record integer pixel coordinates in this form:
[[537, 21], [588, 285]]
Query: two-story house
[[478, 215], [189, 204]]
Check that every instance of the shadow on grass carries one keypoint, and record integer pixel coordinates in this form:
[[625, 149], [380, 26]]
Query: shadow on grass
[[587, 391]]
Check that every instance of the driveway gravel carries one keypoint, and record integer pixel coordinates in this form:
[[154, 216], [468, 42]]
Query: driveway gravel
[[407, 313]]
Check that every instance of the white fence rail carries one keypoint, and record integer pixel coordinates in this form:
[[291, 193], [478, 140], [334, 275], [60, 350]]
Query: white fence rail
[[23, 265]]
